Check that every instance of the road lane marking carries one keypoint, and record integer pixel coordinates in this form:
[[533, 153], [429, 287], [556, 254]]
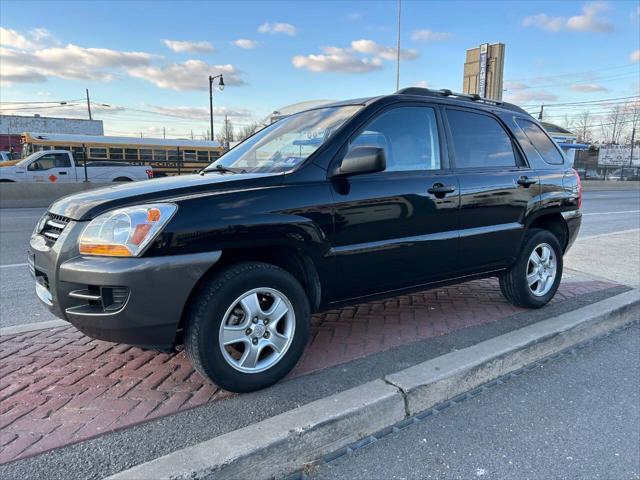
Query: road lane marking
[[611, 213], [619, 232], [11, 265]]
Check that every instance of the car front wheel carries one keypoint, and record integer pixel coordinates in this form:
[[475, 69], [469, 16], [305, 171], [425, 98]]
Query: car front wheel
[[247, 326], [534, 278]]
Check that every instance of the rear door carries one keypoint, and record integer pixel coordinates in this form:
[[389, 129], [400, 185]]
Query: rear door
[[52, 167], [497, 188], [397, 228]]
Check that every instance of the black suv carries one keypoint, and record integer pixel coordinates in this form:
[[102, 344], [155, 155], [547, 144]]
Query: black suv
[[335, 205]]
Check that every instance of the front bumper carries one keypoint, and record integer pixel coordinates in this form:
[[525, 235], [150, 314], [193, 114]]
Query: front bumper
[[153, 290]]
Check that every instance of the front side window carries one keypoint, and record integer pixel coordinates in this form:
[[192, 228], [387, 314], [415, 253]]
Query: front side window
[[541, 142], [479, 141], [51, 160], [409, 136], [287, 143]]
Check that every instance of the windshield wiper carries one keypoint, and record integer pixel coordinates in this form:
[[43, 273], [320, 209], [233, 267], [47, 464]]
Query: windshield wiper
[[223, 169]]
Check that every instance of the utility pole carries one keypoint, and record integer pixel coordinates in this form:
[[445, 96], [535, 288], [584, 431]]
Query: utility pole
[[633, 139], [541, 112], [398, 52], [88, 104], [164, 132]]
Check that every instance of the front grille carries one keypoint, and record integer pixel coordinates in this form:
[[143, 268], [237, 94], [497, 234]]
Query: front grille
[[53, 227]]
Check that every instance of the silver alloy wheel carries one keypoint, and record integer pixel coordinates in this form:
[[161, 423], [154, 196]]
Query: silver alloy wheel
[[257, 330], [541, 269]]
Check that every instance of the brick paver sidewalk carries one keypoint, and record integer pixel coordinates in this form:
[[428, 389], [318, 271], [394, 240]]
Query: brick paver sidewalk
[[59, 386]]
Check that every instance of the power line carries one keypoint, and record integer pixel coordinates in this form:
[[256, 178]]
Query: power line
[[572, 73], [602, 100], [577, 82]]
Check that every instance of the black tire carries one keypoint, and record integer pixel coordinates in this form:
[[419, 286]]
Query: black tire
[[206, 313], [513, 283], [122, 179]]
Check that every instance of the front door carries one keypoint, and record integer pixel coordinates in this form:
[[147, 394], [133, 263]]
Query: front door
[[497, 189], [52, 168], [397, 228]]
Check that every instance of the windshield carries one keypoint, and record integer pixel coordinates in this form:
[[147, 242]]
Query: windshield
[[25, 161], [287, 143]]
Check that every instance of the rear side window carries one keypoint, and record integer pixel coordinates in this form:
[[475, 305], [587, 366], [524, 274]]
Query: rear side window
[[541, 142], [479, 141]]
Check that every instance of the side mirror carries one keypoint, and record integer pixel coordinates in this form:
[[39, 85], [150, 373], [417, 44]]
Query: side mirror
[[362, 160]]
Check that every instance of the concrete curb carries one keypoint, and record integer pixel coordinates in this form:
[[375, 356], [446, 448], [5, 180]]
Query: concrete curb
[[31, 327], [284, 443]]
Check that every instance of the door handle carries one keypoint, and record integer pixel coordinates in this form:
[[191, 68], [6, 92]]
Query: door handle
[[62, 173], [440, 190], [526, 182]]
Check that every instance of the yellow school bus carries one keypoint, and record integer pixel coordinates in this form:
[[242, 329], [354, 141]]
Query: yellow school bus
[[166, 156]]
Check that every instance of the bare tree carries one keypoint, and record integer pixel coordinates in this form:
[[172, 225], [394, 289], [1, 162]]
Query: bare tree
[[582, 125], [227, 135], [633, 120], [248, 130], [614, 124]]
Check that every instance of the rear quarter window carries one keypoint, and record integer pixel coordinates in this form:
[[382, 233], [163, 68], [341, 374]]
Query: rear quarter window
[[541, 142]]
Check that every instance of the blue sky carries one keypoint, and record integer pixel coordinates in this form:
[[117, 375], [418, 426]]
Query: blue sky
[[155, 56]]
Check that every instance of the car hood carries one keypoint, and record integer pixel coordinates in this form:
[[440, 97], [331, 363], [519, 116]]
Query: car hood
[[89, 204]]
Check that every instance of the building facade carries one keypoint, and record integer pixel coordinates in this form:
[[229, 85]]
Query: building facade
[[12, 126], [484, 71]]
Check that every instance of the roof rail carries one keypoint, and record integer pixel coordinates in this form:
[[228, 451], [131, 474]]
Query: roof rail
[[474, 97]]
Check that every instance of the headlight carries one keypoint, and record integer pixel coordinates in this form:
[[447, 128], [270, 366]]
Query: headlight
[[126, 231]]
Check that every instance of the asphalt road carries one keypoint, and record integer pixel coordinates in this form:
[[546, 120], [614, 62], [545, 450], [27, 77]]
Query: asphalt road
[[604, 212], [577, 417]]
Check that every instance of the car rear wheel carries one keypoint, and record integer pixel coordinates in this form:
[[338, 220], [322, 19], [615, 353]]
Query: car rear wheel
[[247, 326], [534, 278]]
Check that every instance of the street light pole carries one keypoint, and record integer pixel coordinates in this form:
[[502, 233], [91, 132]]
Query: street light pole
[[221, 85]]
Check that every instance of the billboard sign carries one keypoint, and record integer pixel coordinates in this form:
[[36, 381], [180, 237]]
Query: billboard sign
[[482, 76], [618, 155]]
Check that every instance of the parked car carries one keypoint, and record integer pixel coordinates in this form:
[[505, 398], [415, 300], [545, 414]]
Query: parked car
[[59, 166], [391, 194], [6, 156]]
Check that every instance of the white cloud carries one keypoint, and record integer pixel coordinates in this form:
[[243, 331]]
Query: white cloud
[[430, 36], [285, 28], [189, 75], [34, 39], [23, 61], [635, 56], [544, 21], [362, 56], [199, 113], [354, 16], [386, 53], [635, 14], [246, 43], [421, 84], [337, 60], [181, 46], [515, 85], [69, 62], [588, 88], [530, 96], [591, 19]]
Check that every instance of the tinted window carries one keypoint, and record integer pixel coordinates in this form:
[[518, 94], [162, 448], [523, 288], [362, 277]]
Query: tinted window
[[131, 153], [116, 154], [541, 142], [409, 136], [159, 155], [51, 160], [98, 153], [479, 141], [145, 154]]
